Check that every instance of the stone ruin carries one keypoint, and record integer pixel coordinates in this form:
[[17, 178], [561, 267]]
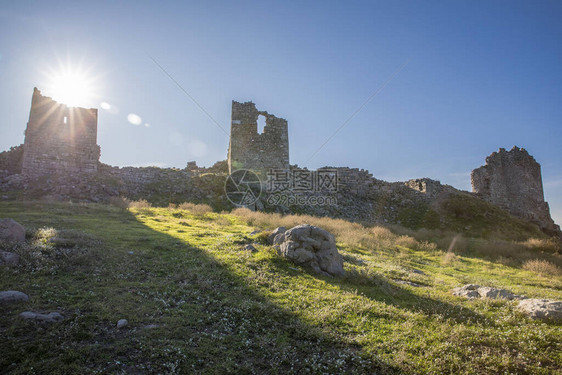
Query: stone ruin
[[512, 180], [59, 139], [249, 149], [61, 142], [425, 185]]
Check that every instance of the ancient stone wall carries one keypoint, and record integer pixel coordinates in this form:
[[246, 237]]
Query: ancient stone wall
[[512, 180], [354, 180], [250, 150], [425, 185], [145, 175], [59, 139], [10, 161], [163, 185]]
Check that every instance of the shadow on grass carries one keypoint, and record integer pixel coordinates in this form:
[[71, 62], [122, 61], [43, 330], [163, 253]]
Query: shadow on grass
[[187, 311], [378, 288]]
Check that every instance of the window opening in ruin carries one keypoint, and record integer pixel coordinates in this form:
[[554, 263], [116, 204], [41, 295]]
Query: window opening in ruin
[[261, 123], [64, 119]]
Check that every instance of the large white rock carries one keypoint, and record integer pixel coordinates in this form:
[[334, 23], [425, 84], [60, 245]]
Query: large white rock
[[313, 247], [541, 308], [11, 231], [476, 291]]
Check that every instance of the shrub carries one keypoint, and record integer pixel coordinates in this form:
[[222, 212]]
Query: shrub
[[426, 246], [120, 202], [406, 241], [449, 258], [548, 245], [196, 209], [542, 267], [263, 237]]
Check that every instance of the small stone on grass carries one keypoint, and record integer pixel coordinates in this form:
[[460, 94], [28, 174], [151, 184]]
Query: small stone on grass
[[10, 296]]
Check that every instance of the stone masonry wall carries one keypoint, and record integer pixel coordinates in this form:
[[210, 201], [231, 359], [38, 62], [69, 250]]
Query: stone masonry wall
[[59, 139], [355, 180], [139, 176], [512, 180], [425, 185], [250, 150], [10, 161]]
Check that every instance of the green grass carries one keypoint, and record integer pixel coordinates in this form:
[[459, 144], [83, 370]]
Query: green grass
[[196, 302], [465, 213]]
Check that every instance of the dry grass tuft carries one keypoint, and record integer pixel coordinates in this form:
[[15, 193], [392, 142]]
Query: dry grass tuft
[[263, 237], [542, 267], [143, 203], [548, 245], [353, 234], [396, 238], [406, 241], [195, 209], [449, 258], [120, 202]]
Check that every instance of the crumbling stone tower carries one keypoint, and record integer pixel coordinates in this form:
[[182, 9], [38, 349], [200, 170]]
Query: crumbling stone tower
[[59, 139], [512, 180], [250, 150]]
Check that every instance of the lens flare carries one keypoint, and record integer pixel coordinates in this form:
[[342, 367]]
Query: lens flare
[[134, 119]]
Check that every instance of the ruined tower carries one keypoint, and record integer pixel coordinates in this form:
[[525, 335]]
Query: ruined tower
[[250, 150], [59, 139], [512, 180]]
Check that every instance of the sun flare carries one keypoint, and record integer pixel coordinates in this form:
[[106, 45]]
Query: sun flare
[[74, 87]]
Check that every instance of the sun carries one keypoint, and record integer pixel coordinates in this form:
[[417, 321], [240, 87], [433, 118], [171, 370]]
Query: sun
[[73, 86], [71, 89]]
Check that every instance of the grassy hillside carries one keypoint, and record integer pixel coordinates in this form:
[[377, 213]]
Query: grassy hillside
[[465, 213], [197, 302]]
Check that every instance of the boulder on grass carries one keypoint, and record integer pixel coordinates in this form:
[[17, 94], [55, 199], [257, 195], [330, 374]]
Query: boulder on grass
[[541, 309], [10, 296], [476, 291], [312, 247], [275, 233], [11, 231], [467, 291], [51, 317]]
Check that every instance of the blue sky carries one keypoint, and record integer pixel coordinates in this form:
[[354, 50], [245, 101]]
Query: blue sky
[[479, 76]]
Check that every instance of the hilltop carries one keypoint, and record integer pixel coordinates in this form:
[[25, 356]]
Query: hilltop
[[59, 161]]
